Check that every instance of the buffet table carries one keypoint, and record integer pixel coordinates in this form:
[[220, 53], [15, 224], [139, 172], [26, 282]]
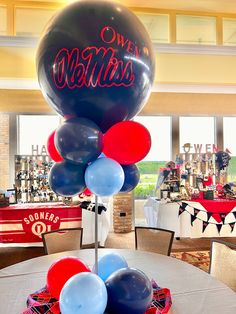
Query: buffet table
[[193, 290], [208, 221], [22, 224]]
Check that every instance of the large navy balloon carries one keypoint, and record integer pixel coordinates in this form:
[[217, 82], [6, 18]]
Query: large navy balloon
[[79, 140], [67, 179], [129, 291], [132, 176], [95, 60]]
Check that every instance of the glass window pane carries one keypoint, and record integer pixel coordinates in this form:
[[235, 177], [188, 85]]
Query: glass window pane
[[160, 130], [198, 131], [195, 30], [229, 31], [35, 130], [229, 131], [160, 153], [157, 26], [36, 18], [3, 21]]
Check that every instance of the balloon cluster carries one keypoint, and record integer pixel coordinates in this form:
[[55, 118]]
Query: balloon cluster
[[117, 288], [95, 67]]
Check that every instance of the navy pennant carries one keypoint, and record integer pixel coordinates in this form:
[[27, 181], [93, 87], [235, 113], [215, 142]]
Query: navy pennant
[[234, 214], [193, 217], [184, 204], [222, 216], [182, 208], [196, 211], [208, 216], [232, 224], [219, 226], [204, 225]]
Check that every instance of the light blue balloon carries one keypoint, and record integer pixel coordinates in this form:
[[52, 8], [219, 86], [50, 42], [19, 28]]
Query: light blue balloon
[[84, 293], [104, 177], [109, 263]]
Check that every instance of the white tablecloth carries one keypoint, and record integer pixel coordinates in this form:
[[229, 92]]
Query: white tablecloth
[[88, 224], [193, 291], [167, 218]]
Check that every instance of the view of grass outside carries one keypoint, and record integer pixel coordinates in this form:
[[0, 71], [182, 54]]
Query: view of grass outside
[[231, 171], [149, 171]]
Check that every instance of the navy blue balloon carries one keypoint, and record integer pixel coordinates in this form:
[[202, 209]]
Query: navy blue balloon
[[129, 291], [67, 179], [132, 176], [79, 140], [95, 60]]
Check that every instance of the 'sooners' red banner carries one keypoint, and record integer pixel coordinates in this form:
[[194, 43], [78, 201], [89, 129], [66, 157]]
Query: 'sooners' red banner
[[25, 223]]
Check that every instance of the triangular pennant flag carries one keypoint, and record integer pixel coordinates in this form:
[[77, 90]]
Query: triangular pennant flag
[[181, 210], [208, 216], [184, 205], [204, 225], [222, 216], [232, 224], [219, 226], [234, 214], [196, 211], [193, 217]]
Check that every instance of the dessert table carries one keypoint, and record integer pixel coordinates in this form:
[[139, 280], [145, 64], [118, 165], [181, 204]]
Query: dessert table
[[193, 291], [165, 215]]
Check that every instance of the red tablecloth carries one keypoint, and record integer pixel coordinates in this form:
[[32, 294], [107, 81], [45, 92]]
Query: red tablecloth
[[217, 206], [24, 223]]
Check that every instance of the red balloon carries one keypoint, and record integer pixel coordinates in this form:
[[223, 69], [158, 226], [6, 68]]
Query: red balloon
[[51, 148], [62, 270], [127, 142], [87, 192]]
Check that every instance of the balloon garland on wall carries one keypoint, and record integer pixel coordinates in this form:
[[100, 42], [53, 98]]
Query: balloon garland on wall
[[96, 66]]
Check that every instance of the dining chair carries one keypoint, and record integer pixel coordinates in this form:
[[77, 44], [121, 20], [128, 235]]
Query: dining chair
[[60, 240], [154, 240], [223, 262]]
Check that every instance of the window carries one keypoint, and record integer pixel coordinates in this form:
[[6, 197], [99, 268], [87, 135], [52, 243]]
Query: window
[[157, 26], [160, 153], [229, 131], [35, 130], [36, 18], [3, 21], [229, 31], [195, 30], [198, 131]]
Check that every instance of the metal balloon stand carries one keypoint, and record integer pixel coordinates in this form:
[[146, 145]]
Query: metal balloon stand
[[96, 236]]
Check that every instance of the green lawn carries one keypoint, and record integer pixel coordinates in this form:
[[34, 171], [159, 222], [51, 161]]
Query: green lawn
[[149, 171]]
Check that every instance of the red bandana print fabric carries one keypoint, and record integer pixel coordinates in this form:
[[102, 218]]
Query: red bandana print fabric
[[42, 302]]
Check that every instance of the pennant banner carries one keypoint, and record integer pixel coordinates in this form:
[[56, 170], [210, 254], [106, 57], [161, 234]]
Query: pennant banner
[[193, 216], [219, 226], [196, 211], [232, 224], [204, 225], [208, 216], [222, 216]]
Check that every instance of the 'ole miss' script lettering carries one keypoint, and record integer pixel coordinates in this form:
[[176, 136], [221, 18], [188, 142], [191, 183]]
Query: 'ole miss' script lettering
[[91, 67]]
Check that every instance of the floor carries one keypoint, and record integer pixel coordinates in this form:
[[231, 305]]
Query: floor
[[9, 256]]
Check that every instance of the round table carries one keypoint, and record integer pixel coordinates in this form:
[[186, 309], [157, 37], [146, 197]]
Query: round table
[[193, 291]]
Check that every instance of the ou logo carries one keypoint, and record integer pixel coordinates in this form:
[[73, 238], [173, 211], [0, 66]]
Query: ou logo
[[40, 227]]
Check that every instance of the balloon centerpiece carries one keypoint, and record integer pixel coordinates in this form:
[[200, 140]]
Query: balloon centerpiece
[[95, 66]]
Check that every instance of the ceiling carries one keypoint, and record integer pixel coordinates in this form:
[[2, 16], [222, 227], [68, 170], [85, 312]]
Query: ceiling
[[220, 6]]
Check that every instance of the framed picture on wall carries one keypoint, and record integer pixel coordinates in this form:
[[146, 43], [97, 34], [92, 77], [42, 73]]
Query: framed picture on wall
[[11, 194]]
